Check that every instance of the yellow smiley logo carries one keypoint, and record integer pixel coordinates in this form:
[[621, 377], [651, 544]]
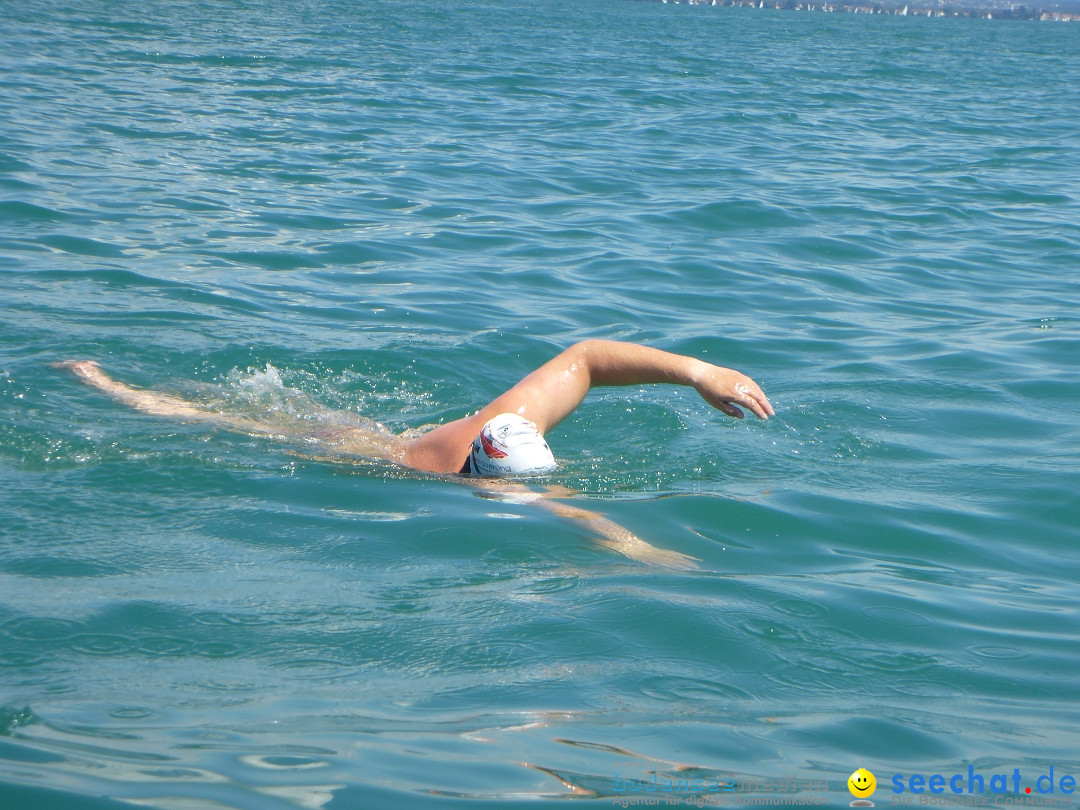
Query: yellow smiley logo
[[862, 783]]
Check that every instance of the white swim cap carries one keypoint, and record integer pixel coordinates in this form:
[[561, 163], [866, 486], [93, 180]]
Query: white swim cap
[[509, 445]]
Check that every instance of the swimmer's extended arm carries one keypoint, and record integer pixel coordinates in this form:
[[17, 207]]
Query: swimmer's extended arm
[[155, 402], [617, 537], [146, 401], [607, 532], [355, 440], [549, 394]]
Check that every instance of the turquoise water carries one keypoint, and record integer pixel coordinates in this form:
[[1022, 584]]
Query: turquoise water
[[398, 209]]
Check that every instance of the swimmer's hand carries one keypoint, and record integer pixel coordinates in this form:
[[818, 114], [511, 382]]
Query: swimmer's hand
[[81, 368], [723, 387]]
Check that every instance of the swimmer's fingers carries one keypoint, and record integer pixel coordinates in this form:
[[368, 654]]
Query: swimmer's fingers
[[731, 410], [754, 398], [725, 389]]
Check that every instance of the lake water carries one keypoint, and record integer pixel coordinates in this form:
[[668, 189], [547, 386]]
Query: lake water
[[399, 209]]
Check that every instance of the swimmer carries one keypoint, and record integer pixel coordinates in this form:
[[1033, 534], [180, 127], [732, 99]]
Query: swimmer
[[503, 439]]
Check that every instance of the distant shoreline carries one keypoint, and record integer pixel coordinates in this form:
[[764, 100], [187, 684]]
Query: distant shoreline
[[1001, 11]]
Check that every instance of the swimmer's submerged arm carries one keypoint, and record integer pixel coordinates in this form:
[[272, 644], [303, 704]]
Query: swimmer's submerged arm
[[618, 538], [607, 532]]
